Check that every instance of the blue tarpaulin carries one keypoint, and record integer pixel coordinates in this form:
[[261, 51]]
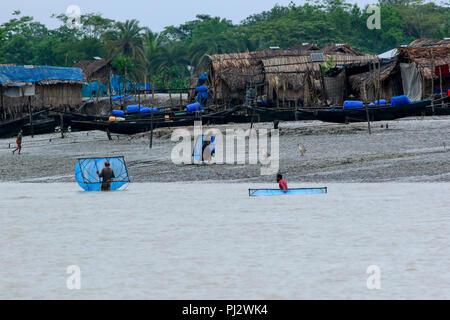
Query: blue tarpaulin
[[99, 89], [33, 74]]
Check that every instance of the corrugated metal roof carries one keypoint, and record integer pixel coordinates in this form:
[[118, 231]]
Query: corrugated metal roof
[[34, 74]]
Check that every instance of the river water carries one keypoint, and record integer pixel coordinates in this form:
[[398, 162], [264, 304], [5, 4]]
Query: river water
[[211, 241]]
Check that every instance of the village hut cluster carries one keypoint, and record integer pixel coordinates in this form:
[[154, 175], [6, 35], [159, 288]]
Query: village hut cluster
[[308, 76], [25, 89], [304, 76]]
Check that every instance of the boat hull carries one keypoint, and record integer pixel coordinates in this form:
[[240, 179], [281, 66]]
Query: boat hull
[[375, 113]]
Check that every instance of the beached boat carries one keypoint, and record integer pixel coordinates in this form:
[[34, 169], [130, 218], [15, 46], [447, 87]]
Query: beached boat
[[264, 114], [11, 128], [441, 107], [144, 125], [41, 124], [376, 113]]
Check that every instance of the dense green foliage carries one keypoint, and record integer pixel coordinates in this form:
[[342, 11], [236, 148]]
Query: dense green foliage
[[170, 57]]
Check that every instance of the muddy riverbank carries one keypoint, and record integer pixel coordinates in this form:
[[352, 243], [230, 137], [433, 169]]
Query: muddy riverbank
[[409, 150]]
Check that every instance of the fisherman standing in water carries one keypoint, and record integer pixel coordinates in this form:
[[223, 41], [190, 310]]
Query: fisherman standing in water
[[282, 183], [19, 142], [107, 174]]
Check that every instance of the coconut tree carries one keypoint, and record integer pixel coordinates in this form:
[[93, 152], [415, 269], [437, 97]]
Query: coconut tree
[[127, 39], [152, 44]]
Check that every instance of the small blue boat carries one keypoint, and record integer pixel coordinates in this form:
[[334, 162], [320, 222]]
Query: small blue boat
[[278, 192]]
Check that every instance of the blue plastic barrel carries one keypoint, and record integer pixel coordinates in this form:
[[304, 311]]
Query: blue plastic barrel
[[146, 110], [134, 108], [349, 104], [202, 89], [118, 113], [193, 107], [382, 102], [400, 100]]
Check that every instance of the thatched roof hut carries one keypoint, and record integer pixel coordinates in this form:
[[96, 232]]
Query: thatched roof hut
[[286, 74], [364, 84], [426, 53], [430, 60], [38, 88], [95, 70], [299, 77]]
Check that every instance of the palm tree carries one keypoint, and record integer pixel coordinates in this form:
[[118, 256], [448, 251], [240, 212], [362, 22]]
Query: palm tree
[[126, 39], [173, 54], [151, 41]]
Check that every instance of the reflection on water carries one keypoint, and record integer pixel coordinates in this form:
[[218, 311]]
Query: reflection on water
[[211, 241]]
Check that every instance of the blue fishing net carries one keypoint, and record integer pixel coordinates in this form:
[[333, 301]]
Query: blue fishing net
[[88, 179]]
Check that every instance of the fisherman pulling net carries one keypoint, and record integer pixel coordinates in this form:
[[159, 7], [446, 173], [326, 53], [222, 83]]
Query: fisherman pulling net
[[102, 174]]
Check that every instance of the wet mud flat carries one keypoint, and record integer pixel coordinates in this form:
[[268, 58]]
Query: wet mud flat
[[407, 150]]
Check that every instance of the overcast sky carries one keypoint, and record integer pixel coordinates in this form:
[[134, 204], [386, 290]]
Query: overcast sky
[[155, 14]]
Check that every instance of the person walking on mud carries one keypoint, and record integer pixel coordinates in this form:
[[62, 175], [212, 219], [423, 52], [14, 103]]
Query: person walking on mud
[[19, 142], [107, 174]]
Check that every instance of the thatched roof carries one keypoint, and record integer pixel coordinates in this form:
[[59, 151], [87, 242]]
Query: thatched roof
[[236, 70], [425, 43], [305, 47], [291, 71], [366, 80], [426, 53], [94, 70], [340, 48]]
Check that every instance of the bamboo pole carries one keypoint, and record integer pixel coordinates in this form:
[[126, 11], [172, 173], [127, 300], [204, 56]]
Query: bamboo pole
[[170, 96], [365, 104], [151, 130], [379, 82], [1, 101], [30, 110], [110, 94], [440, 85], [139, 99], [153, 94], [215, 91], [432, 79], [61, 119]]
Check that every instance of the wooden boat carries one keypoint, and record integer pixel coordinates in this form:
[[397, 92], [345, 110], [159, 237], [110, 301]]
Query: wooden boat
[[41, 124], [441, 107], [278, 192], [68, 117], [11, 128], [376, 113], [264, 114], [130, 127]]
